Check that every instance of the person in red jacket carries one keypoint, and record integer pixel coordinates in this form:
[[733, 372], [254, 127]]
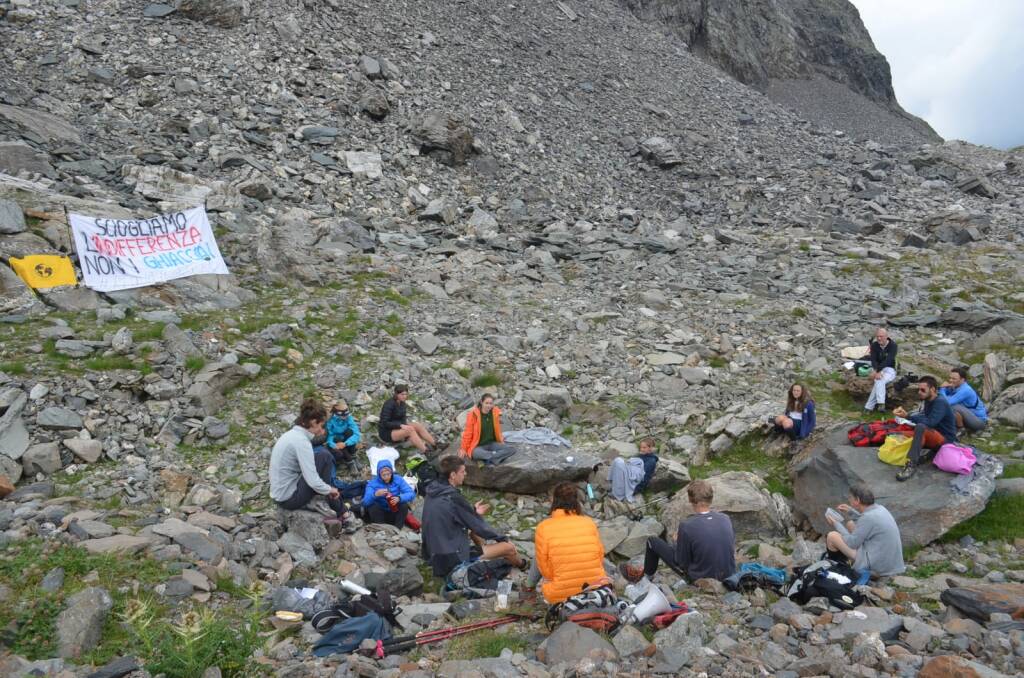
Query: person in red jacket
[[482, 439]]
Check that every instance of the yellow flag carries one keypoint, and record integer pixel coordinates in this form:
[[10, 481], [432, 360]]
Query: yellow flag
[[44, 270]]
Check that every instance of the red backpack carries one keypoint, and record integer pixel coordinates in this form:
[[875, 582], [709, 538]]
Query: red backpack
[[873, 433]]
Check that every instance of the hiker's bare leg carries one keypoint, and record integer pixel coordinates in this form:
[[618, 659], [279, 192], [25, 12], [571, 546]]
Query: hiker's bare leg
[[478, 540], [835, 542], [408, 433], [784, 421], [959, 419], [422, 432], [502, 549]]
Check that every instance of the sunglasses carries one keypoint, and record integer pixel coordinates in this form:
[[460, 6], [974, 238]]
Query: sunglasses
[[922, 390], [343, 413]]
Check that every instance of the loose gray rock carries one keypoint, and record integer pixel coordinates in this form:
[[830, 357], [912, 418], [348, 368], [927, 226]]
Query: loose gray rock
[[80, 626], [59, 418], [12, 219]]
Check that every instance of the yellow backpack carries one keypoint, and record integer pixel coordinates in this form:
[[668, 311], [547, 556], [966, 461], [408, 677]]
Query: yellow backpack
[[895, 450]]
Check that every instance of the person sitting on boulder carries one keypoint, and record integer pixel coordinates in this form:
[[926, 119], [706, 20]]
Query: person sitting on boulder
[[967, 407], [449, 522], [343, 435], [799, 420], [569, 552], [630, 477], [393, 427], [934, 425], [387, 497], [871, 538], [298, 476], [705, 545], [482, 439], [883, 368]]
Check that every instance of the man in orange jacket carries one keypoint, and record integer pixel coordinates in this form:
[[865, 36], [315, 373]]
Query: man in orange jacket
[[482, 439]]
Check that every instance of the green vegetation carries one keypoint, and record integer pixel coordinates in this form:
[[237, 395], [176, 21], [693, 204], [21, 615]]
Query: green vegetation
[[148, 332], [926, 570], [393, 325], [114, 362], [718, 362], [799, 312], [13, 368], [487, 379], [486, 643], [746, 455], [464, 372], [1002, 519], [390, 294], [195, 363], [1013, 471]]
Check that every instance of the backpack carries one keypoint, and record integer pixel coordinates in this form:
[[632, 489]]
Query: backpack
[[895, 450], [596, 608], [479, 574], [425, 473], [602, 621], [346, 636], [829, 579], [752, 576], [379, 604], [873, 433]]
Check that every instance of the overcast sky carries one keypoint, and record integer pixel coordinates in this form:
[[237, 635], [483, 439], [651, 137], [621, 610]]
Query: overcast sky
[[959, 64]]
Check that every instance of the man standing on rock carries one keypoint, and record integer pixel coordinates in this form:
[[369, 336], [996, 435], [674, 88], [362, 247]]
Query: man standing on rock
[[871, 539], [883, 368], [298, 475], [934, 425], [705, 545], [449, 522], [967, 407]]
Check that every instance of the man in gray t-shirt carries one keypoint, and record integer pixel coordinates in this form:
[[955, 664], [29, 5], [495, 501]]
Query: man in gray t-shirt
[[705, 545], [871, 539]]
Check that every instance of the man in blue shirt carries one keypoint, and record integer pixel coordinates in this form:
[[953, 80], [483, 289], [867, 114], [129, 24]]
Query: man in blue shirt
[[934, 425], [967, 407]]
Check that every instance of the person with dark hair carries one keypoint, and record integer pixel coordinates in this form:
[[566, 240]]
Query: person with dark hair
[[297, 474], [883, 368], [934, 425], [343, 435], [569, 552], [449, 523], [799, 420], [967, 407], [870, 538], [387, 497], [705, 545], [482, 439], [393, 427]]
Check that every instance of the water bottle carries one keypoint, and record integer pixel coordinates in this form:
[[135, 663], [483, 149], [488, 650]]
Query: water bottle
[[353, 588], [590, 492]]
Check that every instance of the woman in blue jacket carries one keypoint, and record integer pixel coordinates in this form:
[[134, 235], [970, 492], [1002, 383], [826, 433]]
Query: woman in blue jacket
[[387, 496], [343, 435], [799, 420]]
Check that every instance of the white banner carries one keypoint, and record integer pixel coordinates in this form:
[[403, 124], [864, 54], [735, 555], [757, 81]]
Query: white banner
[[118, 254]]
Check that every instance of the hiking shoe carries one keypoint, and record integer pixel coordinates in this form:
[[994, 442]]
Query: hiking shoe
[[632, 573], [319, 505], [771, 420], [880, 408], [907, 471]]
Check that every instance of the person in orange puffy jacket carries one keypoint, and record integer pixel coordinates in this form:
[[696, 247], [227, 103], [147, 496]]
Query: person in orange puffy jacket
[[569, 553], [482, 439]]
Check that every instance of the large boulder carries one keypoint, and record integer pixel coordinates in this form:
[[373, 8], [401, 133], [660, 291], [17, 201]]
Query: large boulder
[[570, 643], [925, 507], [531, 470], [210, 385], [744, 497], [980, 601]]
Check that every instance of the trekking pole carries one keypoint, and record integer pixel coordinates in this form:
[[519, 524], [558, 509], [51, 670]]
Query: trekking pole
[[402, 643], [636, 511]]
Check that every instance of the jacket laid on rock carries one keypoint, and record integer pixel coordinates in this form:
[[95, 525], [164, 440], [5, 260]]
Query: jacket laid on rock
[[882, 357], [392, 416], [342, 431], [397, 487], [471, 434], [447, 517], [569, 554]]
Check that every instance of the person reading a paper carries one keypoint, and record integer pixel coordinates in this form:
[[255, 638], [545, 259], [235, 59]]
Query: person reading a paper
[[870, 537], [934, 425]]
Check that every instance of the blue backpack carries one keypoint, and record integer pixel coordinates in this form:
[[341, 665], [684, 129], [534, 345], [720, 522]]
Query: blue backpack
[[346, 636]]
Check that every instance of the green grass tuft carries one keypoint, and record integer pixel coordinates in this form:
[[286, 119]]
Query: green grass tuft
[[114, 362], [487, 643], [194, 363], [746, 455], [1002, 519], [487, 379], [14, 368]]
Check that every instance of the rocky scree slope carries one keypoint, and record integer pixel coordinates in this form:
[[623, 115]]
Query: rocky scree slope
[[550, 201]]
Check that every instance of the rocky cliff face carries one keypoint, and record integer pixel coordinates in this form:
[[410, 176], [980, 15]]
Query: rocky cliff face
[[761, 42]]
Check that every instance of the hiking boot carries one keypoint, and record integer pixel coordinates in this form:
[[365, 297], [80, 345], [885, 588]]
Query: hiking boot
[[880, 408], [632, 573], [907, 471], [319, 505], [771, 420]]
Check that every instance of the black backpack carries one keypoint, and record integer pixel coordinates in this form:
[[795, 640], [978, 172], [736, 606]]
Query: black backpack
[[812, 583], [482, 574], [426, 473], [379, 603]]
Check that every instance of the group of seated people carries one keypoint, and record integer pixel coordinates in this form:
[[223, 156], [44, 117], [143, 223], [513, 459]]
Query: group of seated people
[[568, 549]]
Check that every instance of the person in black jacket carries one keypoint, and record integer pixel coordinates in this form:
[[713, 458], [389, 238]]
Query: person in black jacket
[[934, 425], [393, 427], [883, 368], [449, 523]]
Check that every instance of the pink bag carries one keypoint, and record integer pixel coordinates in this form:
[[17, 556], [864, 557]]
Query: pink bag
[[955, 459]]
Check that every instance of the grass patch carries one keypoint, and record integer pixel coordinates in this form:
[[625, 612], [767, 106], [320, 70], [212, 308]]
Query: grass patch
[[149, 332], [927, 570], [799, 312], [390, 294], [1002, 519], [718, 362], [464, 372], [487, 643], [14, 368], [1013, 471], [487, 379], [746, 455], [194, 363], [393, 325], [113, 362]]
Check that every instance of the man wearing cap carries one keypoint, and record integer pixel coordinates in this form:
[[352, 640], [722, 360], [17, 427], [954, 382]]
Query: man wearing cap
[[343, 435]]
